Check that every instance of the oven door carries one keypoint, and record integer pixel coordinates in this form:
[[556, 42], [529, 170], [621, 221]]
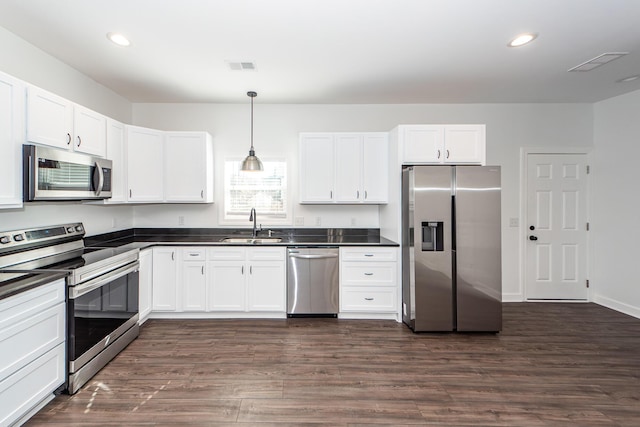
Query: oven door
[[99, 312]]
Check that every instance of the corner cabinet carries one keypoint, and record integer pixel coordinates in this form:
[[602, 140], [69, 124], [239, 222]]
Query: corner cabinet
[[58, 122], [344, 168], [12, 94], [442, 144], [145, 160], [188, 167]]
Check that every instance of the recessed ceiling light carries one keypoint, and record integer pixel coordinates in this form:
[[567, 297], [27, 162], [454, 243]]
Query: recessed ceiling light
[[118, 39], [629, 79], [522, 39]]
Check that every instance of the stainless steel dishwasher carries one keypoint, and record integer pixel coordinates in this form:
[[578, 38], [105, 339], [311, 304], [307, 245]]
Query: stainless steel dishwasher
[[312, 282]]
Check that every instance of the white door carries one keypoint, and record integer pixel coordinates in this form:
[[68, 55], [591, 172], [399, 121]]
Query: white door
[[556, 246]]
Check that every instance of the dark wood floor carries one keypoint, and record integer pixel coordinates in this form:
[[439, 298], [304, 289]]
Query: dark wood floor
[[553, 365]]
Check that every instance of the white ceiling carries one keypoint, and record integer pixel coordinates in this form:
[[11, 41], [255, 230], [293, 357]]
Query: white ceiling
[[339, 51]]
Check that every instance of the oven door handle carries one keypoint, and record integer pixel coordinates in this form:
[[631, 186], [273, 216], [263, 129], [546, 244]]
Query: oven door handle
[[84, 288]]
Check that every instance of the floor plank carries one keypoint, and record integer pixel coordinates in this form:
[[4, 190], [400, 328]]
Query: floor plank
[[552, 365]]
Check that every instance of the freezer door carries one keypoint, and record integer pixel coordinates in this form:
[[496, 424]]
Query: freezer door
[[478, 249], [432, 250]]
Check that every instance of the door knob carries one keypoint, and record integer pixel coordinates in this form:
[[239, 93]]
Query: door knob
[[533, 238]]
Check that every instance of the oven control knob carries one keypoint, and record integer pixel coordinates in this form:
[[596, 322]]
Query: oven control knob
[[18, 237], [79, 228], [70, 229], [5, 239]]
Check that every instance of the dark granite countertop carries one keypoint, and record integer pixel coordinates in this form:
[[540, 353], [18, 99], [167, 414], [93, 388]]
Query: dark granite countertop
[[146, 237], [13, 284]]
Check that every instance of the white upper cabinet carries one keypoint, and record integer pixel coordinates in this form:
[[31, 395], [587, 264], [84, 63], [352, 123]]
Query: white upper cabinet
[[348, 168], [188, 167], [12, 94], [145, 160], [316, 168], [116, 152], [442, 144], [58, 122]]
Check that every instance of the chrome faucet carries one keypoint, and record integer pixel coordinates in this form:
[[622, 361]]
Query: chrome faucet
[[252, 217]]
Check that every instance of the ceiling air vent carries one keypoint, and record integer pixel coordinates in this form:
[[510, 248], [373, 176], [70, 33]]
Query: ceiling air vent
[[599, 60], [241, 65]]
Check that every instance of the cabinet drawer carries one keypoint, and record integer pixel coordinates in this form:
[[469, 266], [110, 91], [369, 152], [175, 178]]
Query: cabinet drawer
[[368, 254], [266, 254], [230, 253], [368, 274], [193, 254], [23, 390], [29, 338], [26, 304], [361, 299]]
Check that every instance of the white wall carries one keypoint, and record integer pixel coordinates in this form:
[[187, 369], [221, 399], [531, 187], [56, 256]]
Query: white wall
[[616, 204], [26, 62], [276, 128]]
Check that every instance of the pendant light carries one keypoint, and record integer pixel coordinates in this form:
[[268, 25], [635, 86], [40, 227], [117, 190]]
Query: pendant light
[[251, 163]]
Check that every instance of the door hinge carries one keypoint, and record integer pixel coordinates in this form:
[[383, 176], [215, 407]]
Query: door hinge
[[587, 226], [587, 283], [588, 169]]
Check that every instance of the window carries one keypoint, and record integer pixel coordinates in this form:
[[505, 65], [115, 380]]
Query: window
[[266, 191]]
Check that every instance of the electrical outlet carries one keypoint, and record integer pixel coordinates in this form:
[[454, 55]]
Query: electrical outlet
[[299, 220], [180, 220], [353, 222], [318, 221], [514, 222]]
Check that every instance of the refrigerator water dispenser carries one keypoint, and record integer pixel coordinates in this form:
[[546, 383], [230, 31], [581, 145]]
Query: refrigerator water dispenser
[[432, 236]]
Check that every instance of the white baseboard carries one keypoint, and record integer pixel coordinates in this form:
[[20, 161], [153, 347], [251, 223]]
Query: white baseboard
[[616, 305], [512, 298]]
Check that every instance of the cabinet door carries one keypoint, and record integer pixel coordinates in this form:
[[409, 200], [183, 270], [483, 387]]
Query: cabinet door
[[164, 295], [422, 144], [49, 118], [144, 164], [348, 174], [316, 168], [188, 167], [90, 131], [465, 144], [145, 284], [267, 286], [227, 290], [375, 169], [194, 286], [116, 153], [12, 93]]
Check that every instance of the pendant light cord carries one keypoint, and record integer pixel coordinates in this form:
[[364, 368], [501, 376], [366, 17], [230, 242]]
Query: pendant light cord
[[252, 95]]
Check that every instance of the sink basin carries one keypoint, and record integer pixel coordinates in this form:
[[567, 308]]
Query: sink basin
[[251, 240]]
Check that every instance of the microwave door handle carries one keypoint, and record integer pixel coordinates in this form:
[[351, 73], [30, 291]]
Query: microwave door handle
[[100, 179]]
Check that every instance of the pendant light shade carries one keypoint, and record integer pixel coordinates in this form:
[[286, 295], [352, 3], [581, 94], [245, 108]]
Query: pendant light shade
[[251, 163]]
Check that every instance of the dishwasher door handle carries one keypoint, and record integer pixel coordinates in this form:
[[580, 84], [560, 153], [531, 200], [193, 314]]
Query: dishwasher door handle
[[313, 256]]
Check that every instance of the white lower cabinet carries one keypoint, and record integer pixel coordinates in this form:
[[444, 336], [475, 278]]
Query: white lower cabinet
[[145, 284], [368, 280], [32, 350], [246, 279], [194, 279], [165, 284]]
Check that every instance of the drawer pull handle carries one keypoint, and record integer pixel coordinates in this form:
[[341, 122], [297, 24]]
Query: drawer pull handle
[[368, 274], [368, 299], [193, 254], [369, 255]]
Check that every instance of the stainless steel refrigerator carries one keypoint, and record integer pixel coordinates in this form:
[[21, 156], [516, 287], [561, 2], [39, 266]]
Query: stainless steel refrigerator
[[451, 265]]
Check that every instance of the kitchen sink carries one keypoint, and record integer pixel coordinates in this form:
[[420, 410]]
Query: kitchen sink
[[251, 240]]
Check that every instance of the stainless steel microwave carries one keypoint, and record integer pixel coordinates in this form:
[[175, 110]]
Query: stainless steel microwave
[[54, 174]]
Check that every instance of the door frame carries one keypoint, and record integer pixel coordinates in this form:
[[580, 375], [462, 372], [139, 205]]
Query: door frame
[[522, 235]]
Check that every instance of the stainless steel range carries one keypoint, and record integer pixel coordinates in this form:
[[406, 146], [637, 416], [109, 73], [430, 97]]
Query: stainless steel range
[[102, 291]]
